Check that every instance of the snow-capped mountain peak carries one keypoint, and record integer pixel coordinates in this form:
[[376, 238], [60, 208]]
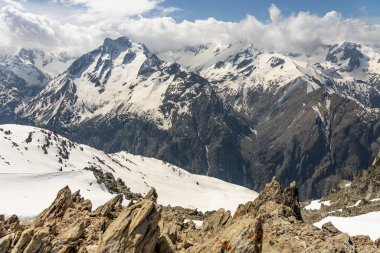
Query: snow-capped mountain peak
[[347, 56], [36, 67], [121, 77]]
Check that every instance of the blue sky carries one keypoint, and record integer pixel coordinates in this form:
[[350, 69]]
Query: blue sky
[[234, 10]]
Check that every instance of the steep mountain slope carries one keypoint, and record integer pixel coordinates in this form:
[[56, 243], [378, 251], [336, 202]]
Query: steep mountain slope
[[248, 116], [13, 91], [122, 97], [23, 76], [315, 118], [36, 67], [35, 163]]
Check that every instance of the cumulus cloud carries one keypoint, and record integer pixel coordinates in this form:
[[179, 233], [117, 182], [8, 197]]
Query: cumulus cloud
[[97, 19], [302, 32]]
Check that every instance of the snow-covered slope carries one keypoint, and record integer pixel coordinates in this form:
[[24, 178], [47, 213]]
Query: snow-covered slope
[[355, 72], [365, 224], [254, 69], [13, 91], [348, 69], [121, 77], [36, 163], [203, 56], [36, 67]]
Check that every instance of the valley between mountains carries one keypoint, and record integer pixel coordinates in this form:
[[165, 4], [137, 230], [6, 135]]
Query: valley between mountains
[[189, 150], [234, 112]]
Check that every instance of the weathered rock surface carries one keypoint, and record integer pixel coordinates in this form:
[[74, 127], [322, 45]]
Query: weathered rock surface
[[351, 198], [271, 223], [68, 225], [273, 192], [134, 230]]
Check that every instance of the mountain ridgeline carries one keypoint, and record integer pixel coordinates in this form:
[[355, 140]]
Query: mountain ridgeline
[[243, 115]]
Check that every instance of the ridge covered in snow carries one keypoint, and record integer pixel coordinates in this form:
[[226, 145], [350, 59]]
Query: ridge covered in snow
[[36, 163], [349, 69], [121, 77], [36, 67]]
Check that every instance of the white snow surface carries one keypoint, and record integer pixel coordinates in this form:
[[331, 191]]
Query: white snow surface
[[198, 223], [366, 224], [36, 67], [316, 204], [271, 71], [30, 177], [120, 89]]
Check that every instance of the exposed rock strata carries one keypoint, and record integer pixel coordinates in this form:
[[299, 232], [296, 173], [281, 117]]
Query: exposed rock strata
[[271, 223]]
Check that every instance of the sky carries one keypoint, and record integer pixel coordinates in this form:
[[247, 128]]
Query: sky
[[77, 26], [228, 10]]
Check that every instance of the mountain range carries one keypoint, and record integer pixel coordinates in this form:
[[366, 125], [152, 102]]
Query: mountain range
[[234, 112]]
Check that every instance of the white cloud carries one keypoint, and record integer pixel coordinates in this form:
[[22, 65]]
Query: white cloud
[[95, 10], [13, 3], [96, 19], [274, 13]]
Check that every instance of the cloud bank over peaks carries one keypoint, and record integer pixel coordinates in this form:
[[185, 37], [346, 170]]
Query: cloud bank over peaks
[[147, 21]]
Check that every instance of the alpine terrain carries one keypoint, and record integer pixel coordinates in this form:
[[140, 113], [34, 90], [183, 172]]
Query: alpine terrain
[[234, 112], [167, 126]]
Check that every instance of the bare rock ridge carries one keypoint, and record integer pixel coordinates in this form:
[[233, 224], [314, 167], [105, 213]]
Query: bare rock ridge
[[351, 198], [69, 225], [244, 118], [271, 223]]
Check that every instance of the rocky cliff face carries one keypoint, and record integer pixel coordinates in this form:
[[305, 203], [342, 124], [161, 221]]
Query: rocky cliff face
[[350, 198], [13, 92], [120, 96], [236, 112], [271, 223]]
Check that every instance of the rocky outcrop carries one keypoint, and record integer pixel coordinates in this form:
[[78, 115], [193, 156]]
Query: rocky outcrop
[[114, 186], [134, 230], [62, 202], [69, 225], [270, 223], [351, 198], [273, 192]]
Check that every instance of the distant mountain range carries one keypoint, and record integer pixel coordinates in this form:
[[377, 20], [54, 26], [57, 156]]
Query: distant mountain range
[[24, 75], [235, 112]]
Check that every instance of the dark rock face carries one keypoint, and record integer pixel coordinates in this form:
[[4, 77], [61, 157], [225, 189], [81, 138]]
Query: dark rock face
[[346, 51], [313, 137], [204, 141], [13, 90], [313, 145]]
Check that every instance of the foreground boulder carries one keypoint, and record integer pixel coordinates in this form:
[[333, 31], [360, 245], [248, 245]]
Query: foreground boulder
[[69, 225], [274, 194], [134, 230], [271, 223]]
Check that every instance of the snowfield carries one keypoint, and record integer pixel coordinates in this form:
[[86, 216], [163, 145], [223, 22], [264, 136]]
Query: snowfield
[[36, 163], [316, 204], [366, 224]]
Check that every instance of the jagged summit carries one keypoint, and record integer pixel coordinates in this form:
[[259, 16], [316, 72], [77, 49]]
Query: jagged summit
[[120, 77], [269, 224], [347, 52], [221, 121]]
